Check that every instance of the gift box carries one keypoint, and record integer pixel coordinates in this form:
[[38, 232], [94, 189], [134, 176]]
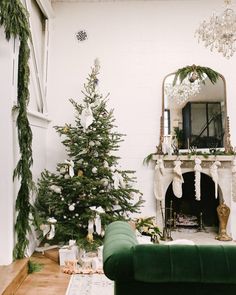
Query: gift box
[[68, 253]]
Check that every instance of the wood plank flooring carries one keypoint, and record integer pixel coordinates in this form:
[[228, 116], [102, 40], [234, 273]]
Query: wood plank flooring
[[11, 276], [49, 281]]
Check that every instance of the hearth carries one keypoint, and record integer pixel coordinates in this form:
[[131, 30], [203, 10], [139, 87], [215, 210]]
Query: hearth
[[187, 211], [190, 210]]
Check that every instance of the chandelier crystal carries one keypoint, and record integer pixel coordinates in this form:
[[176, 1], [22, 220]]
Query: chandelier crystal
[[180, 93], [220, 32]]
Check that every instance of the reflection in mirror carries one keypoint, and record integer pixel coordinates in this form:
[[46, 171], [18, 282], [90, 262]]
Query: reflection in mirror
[[194, 112]]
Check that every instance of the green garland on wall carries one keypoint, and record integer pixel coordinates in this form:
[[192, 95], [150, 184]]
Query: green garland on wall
[[14, 19]]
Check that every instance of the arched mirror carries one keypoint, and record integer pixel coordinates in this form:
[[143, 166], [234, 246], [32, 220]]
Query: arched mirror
[[194, 110]]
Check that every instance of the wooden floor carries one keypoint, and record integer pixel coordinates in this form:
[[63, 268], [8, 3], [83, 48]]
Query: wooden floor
[[49, 281]]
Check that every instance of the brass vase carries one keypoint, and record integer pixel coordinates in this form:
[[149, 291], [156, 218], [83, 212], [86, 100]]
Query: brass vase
[[223, 212]]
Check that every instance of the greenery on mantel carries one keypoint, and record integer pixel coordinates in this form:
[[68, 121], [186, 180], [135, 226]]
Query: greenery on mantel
[[199, 71], [14, 19], [212, 152]]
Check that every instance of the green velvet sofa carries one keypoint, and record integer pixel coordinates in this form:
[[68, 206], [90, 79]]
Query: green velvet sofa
[[166, 269]]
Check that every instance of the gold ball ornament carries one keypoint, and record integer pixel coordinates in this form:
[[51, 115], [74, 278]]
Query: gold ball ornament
[[89, 238], [65, 129], [80, 173]]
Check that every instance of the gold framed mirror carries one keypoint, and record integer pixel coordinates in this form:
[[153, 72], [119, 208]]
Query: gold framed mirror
[[194, 111]]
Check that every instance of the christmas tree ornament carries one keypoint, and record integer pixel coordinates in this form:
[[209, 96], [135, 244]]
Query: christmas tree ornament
[[65, 129], [71, 167], [71, 207], [86, 117], [63, 170], [80, 173], [90, 238], [62, 199], [55, 189], [95, 170], [105, 164], [66, 176], [52, 221], [45, 228], [104, 181], [118, 180], [91, 143], [90, 226]]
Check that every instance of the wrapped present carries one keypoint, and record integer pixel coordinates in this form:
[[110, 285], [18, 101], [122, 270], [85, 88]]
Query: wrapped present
[[68, 253]]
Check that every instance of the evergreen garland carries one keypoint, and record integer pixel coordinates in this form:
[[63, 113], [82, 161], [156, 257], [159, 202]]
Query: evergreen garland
[[200, 71], [14, 19]]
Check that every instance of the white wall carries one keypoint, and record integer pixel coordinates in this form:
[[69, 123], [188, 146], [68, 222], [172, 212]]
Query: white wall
[[6, 151], [138, 44]]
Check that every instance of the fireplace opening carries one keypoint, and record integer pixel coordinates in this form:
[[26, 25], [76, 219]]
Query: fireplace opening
[[186, 212]]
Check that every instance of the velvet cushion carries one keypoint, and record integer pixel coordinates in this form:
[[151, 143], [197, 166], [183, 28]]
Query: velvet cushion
[[185, 263]]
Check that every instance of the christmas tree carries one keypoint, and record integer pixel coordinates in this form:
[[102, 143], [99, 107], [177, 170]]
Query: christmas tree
[[88, 191]]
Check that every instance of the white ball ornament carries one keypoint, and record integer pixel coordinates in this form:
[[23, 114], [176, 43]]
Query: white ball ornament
[[72, 207], [91, 143], [62, 199], [62, 170], [67, 176], [104, 181], [95, 170], [105, 163]]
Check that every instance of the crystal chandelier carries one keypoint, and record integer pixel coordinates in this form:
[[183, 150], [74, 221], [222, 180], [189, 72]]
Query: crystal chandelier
[[220, 32], [180, 93]]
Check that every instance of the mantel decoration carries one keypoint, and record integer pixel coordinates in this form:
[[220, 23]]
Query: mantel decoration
[[219, 32], [194, 73], [14, 19]]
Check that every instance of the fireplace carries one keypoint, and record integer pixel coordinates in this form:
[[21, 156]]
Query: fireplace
[[187, 212], [187, 209]]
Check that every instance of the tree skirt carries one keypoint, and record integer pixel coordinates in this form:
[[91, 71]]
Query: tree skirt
[[96, 284]]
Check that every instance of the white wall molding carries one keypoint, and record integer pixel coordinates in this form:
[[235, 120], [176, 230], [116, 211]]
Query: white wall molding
[[46, 8]]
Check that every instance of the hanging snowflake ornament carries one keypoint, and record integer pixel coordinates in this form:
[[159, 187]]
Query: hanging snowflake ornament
[[81, 35]]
